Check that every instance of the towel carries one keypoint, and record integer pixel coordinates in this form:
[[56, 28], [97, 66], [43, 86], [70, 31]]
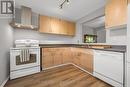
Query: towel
[[25, 55]]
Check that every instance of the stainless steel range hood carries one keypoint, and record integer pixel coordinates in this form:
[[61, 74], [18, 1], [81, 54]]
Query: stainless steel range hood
[[24, 18]]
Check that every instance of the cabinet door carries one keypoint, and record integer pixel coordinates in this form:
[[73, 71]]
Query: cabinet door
[[87, 60], [63, 27], [76, 56], [45, 24], [67, 55], [57, 56], [47, 58], [71, 28], [55, 25], [83, 58], [115, 13]]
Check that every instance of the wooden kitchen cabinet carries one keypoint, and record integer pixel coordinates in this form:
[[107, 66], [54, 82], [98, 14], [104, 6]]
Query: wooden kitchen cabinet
[[56, 26], [57, 57], [45, 24], [83, 58], [47, 57], [67, 55], [115, 13], [62, 55], [87, 60], [76, 56], [71, 28]]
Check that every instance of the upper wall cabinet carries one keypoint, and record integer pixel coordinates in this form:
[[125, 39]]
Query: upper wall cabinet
[[45, 24], [56, 26], [115, 13]]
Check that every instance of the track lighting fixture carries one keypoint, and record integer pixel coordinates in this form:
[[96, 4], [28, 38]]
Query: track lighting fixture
[[62, 4]]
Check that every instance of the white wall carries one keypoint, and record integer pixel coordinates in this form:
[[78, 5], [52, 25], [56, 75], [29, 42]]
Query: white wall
[[116, 36], [86, 30], [128, 48], [6, 41], [31, 34], [78, 36], [101, 35], [97, 13]]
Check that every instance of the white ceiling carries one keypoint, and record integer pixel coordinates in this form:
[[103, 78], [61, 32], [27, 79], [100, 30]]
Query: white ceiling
[[96, 23], [74, 11]]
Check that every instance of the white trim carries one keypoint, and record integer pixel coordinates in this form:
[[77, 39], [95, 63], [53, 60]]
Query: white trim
[[82, 69], [69, 64], [3, 84], [56, 66]]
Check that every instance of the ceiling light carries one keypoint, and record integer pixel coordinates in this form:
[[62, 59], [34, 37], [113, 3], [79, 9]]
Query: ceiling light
[[62, 4], [68, 2]]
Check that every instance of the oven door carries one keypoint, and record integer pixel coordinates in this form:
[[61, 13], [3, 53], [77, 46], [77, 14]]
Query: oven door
[[15, 63]]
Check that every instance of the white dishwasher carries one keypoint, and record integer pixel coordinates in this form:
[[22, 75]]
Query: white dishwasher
[[108, 66]]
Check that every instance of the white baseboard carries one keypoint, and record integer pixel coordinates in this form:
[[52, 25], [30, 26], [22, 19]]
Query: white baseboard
[[69, 64], [3, 84], [82, 69], [56, 66]]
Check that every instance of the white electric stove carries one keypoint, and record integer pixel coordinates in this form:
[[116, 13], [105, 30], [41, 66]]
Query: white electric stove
[[24, 58]]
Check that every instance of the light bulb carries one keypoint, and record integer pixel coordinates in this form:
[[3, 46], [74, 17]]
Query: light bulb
[[68, 2]]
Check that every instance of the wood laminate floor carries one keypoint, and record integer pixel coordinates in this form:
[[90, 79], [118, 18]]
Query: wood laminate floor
[[65, 76]]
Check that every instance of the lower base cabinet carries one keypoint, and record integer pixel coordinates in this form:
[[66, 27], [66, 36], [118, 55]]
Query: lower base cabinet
[[76, 56], [66, 55], [83, 58], [47, 58], [87, 60], [55, 56], [62, 55]]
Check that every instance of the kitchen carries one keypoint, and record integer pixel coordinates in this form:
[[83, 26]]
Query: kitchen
[[52, 44]]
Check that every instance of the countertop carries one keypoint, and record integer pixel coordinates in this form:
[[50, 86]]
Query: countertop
[[114, 48]]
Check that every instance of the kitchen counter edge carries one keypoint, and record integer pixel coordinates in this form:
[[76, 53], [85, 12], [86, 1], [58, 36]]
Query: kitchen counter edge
[[115, 48]]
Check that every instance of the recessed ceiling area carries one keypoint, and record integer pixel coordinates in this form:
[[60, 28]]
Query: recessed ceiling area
[[73, 11], [96, 23]]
